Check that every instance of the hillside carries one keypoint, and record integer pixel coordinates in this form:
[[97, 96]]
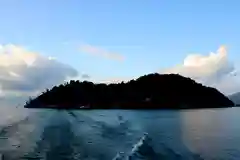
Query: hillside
[[152, 91], [235, 98]]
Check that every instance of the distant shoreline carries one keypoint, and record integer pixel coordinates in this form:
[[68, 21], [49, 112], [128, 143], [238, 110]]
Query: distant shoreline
[[80, 107]]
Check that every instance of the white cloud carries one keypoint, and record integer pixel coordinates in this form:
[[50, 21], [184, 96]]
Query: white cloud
[[85, 76], [115, 80], [23, 72], [97, 51], [13, 74], [228, 85], [214, 70]]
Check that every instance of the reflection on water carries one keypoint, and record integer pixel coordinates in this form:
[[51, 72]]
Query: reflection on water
[[213, 132], [119, 134]]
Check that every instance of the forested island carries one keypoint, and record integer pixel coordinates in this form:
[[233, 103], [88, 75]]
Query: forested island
[[152, 91]]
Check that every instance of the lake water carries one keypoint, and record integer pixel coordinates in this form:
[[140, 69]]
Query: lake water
[[104, 134]]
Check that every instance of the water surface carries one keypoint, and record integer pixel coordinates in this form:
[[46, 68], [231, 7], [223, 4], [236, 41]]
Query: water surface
[[104, 134]]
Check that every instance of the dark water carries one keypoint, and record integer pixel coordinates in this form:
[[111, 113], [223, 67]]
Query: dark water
[[118, 134]]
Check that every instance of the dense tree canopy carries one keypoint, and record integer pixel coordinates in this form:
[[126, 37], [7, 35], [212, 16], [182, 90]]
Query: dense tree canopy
[[152, 91]]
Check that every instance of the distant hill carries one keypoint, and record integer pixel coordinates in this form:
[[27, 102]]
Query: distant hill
[[152, 91], [235, 98]]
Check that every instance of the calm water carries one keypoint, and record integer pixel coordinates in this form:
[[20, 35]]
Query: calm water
[[102, 134]]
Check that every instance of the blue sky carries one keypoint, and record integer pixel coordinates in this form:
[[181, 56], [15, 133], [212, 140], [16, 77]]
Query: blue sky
[[150, 35]]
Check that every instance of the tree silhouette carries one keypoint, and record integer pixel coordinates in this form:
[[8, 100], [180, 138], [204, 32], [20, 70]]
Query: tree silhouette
[[152, 91]]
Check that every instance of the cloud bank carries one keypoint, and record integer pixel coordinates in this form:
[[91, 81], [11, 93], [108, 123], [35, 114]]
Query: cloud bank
[[213, 70], [97, 51], [23, 72]]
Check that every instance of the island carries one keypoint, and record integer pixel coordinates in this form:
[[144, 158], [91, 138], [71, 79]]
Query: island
[[152, 91]]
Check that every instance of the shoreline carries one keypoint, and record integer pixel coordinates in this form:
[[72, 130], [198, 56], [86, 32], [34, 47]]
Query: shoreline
[[81, 107]]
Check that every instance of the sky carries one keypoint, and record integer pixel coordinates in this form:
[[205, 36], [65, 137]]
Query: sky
[[45, 42]]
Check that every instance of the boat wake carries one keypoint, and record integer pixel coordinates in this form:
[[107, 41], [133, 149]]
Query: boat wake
[[71, 135], [142, 150]]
